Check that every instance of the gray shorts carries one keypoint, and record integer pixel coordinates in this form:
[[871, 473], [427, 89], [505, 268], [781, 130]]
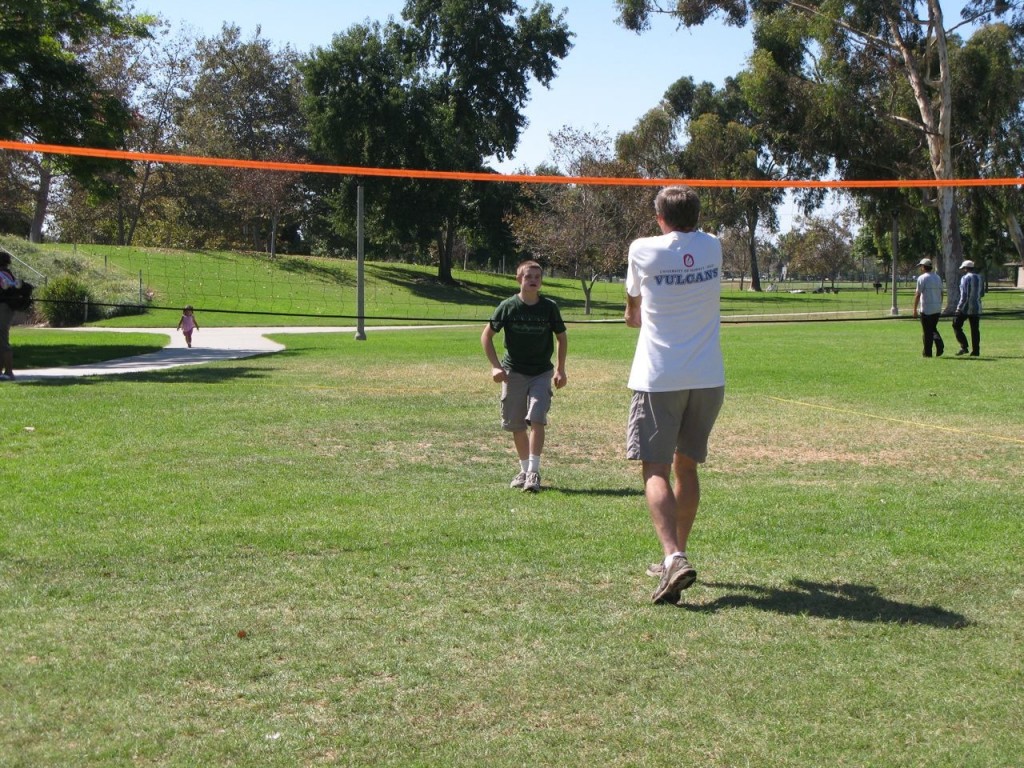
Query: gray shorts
[[662, 424], [525, 400]]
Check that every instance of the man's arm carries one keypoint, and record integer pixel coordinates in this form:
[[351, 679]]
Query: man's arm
[[562, 343], [962, 301], [487, 342], [633, 311]]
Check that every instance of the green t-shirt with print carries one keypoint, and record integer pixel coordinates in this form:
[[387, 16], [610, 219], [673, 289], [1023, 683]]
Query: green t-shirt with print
[[529, 333]]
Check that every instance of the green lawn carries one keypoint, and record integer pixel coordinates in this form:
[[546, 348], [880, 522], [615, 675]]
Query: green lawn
[[52, 348], [228, 288], [313, 558]]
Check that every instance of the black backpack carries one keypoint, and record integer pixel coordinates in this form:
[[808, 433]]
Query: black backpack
[[20, 298]]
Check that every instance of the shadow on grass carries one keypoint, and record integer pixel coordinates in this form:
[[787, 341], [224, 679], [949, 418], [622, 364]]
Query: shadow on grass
[[476, 295], [429, 287], [852, 602], [28, 356], [327, 273], [189, 374], [620, 492]]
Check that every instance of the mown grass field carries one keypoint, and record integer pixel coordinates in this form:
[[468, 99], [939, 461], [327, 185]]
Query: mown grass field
[[251, 289], [313, 558]]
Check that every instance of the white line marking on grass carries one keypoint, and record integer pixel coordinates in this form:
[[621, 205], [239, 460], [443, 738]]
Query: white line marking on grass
[[897, 421]]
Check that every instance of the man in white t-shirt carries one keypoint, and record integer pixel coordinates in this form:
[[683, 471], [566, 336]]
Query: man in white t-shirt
[[673, 295], [928, 303]]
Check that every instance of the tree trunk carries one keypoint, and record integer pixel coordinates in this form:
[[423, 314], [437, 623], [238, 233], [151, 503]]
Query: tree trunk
[[445, 246], [274, 218], [1015, 233], [895, 247], [588, 288], [936, 120], [119, 218], [35, 234], [135, 210], [755, 270], [937, 133], [952, 247]]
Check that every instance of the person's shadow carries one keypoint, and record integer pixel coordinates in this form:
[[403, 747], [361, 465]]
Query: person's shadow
[[853, 602]]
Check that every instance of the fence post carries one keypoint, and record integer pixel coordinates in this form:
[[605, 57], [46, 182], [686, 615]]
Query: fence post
[[360, 275], [895, 250]]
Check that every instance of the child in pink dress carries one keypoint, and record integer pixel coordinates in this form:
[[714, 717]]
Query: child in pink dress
[[187, 324]]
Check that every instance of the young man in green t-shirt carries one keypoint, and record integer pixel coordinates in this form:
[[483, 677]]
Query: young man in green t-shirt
[[532, 325]]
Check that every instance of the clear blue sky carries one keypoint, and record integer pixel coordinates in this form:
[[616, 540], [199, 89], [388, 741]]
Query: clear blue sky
[[610, 78]]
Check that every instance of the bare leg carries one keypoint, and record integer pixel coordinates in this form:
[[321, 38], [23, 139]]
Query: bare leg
[[522, 443], [687, 493], [661, 504], [536, 439], [673, 507]]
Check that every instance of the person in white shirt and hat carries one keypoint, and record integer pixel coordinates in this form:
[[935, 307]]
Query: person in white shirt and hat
[[928, 304]]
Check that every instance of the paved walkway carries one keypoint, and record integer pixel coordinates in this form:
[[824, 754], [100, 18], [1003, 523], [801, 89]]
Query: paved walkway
[[210, 345]]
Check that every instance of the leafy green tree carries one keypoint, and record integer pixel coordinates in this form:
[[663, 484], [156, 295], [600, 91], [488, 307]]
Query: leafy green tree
[[153, 76], [652, 146], [48, 94], [489, 242], [443, 91], [246, 102], [988, 92], [820, 247], [736, 253], [16, 193], [727, 140], [583, 230], [148, 74], [855, 46]]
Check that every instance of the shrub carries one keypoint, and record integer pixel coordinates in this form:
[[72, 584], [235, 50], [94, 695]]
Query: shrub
[[63, 302]]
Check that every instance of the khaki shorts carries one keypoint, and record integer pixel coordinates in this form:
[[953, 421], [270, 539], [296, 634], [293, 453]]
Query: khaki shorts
[[525, 400], [662, 424]]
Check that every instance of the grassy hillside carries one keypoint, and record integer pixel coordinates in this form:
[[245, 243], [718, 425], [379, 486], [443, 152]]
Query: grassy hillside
[[228, 288]]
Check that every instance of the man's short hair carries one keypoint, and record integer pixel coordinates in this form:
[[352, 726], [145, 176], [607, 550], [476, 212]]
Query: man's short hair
[[678, 206], [526, 265]]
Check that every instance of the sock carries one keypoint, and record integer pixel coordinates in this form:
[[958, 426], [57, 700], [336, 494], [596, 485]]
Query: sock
[[524, 464], [668, 559], [534, 463]]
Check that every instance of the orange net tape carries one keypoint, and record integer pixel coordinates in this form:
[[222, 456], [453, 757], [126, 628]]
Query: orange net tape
[[355, 170]]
